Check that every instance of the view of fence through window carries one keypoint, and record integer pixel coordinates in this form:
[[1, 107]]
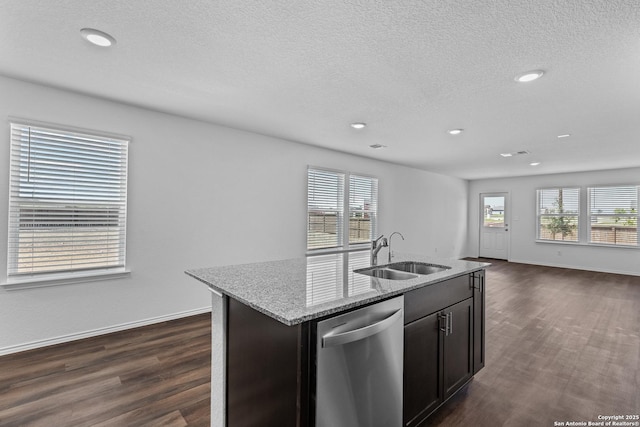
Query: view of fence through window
[[558, 214], [67, 207], [612, 215], [326, 209], [323, 229], [363, 198]]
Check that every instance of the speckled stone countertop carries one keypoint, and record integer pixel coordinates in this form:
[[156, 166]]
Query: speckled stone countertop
[[297, 290]]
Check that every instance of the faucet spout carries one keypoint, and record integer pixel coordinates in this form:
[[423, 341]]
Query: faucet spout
[[375, 248], [390, 236]]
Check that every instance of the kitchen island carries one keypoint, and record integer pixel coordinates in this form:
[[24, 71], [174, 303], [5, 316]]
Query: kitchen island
[[264, 317]]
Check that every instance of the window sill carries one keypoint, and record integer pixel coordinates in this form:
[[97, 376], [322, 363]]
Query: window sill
[[331, 251], [595, 245], [41, 281]]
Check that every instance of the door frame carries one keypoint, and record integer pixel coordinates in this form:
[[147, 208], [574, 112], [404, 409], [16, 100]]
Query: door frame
[[507, 218]]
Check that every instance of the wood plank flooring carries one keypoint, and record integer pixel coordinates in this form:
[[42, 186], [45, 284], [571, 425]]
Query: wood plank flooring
[[157, 375], [562, 345]]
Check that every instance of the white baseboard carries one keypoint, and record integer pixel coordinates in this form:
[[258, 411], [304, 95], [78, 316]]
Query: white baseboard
[[101, 331]]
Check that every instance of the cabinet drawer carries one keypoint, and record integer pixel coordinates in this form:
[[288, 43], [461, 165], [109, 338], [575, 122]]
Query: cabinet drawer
[[431, 298]]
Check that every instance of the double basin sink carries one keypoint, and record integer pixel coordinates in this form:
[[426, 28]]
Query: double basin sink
[[402, 270]]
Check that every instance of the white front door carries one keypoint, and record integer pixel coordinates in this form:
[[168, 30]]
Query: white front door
[[494, 225]]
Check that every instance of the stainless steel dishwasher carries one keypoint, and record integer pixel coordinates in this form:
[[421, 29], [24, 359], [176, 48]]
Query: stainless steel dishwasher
[[359, 367]]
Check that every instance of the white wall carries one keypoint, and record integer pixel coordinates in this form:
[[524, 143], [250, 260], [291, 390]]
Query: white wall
[[194, 192], [522, 230]]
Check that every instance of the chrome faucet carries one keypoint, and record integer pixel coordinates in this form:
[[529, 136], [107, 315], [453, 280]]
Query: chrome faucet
[[375, 248], [395, 232]]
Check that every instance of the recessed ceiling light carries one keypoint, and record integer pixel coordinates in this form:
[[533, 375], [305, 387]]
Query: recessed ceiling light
[[455, 131], [529, 76], [516, 153], [97, 37], [358, 125], [534, 163], [377, 146], [566, 135]]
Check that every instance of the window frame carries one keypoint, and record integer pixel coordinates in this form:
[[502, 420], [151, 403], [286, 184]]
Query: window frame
[[344, 244], [584, 217], [540, 215], [70, 137], [591, 216]]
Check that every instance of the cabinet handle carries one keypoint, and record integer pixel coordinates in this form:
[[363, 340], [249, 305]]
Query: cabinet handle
[[443, 318], [480, 286], [448, 323]]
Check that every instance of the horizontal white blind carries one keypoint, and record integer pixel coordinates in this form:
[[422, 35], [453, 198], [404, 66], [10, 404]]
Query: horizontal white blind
[[325, 208], [558, 214], [363, 208], [67, 205], [613, 215]]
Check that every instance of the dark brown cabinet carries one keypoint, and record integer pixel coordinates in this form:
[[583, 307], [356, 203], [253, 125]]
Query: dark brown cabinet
[[440, 346], [423, 375], [457, 360]]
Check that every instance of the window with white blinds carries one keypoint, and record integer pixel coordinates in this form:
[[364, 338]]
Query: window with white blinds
[[67, 203], [341, 209], [613, 215], [558, 214], [325, 209], [363, 200]]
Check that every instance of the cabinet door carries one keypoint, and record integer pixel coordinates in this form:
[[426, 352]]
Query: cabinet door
[[478, 320], [458, 346], [422, 386]]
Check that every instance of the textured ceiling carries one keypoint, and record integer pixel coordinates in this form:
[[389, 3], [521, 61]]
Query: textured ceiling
[[304, 69]]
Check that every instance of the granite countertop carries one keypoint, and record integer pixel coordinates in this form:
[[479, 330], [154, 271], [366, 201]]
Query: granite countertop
[[294, 291]]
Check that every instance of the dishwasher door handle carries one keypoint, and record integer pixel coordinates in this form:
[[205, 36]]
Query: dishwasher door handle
[[329, 340]]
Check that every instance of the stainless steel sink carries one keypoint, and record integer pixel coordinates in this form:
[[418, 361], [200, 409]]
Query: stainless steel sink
[[417, 267], [386, 273]]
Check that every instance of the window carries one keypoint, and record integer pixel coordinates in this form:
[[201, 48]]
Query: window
[[558, 214], [603, 215], [613, 215], [341, 209], [363, 201], [493, 212], [67, 202]]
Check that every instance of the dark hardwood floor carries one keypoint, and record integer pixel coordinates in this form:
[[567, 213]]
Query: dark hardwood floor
[[156, 375], [562, 345]]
